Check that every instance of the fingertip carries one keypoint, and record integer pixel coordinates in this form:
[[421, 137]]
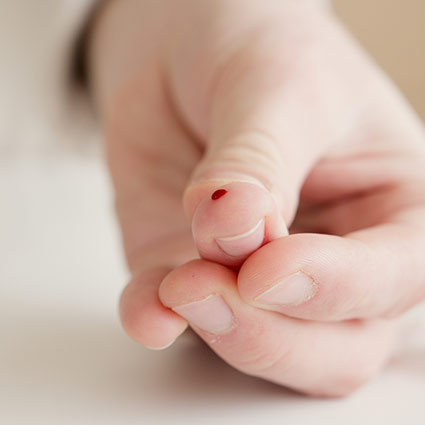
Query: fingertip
[[144, 318], [235, 219], [200, 292], [194, 281], [309, 276]]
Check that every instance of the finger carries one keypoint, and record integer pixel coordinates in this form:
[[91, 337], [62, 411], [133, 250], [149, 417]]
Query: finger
[[374, 272], [142, 135], [259, 150], [234, 221], [316, 358], [353, 213], [143, 316]]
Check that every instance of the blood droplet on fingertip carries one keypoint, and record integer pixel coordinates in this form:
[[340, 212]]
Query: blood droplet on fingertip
[[218, 194]]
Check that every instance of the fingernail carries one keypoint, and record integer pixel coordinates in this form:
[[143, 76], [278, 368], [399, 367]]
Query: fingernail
[[294, 290], [164, 347], [211, 314], [244, 243]]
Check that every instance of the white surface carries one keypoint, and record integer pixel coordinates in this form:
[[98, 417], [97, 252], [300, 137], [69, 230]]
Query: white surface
[[64, 358]]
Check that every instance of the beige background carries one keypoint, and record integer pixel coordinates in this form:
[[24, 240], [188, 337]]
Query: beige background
[[394, 33]]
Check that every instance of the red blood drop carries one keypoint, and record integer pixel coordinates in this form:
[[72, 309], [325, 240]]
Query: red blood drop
[[218, 194]]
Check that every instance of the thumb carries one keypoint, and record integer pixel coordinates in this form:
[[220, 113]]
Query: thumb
[[261, 145]]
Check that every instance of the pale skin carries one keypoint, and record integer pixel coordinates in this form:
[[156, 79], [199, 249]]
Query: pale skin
[[273, 102]]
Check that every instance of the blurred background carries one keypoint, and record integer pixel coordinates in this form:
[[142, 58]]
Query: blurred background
[[393, 31], [63, 357]]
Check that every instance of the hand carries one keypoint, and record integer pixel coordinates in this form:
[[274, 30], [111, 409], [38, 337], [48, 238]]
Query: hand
[[262, 116]]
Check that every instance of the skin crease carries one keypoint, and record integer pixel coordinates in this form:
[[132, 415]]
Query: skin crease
[[274, 101]]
